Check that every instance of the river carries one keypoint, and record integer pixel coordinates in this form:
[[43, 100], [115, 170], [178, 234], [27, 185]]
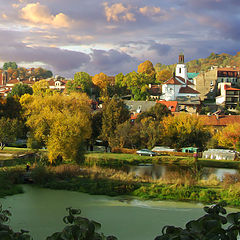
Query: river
[[41, 211]]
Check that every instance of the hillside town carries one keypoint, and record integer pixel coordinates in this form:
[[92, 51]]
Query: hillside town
[[215, 92]]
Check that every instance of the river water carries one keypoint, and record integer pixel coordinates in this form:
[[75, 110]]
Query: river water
[[157, 171], [41, 211]]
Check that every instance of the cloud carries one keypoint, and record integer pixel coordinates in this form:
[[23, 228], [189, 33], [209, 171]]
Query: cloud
[[118, 12], [161, 49], [35, 13], [149, 11], [111, 62]]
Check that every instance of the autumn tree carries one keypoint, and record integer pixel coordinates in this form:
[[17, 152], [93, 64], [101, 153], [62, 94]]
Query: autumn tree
[[184, 130], [148, 69], [41, 88], [163, 76], [102, 81], [61, 122], [115, 112], [229, 137], [22, 72], [20, 89], [8, 131]]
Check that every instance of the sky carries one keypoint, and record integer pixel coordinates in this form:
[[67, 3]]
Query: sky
[[68, 36]]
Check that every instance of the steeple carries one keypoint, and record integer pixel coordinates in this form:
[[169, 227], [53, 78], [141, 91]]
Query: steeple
[[181, 68], [181, 58]]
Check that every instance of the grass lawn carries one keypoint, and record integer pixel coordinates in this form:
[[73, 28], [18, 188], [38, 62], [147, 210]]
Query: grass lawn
[[134, 159]]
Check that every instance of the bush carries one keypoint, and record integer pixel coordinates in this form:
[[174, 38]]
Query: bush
[[123, 150]]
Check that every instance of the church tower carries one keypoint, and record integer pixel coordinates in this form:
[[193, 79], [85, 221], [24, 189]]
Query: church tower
[[181, 68]]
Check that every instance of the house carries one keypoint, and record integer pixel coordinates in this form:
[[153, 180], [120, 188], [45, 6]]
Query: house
[[207, 81], [219, 121], [229, 96], [171, 105], [155, 91], [57, 84], [136, 107], [180, 88]]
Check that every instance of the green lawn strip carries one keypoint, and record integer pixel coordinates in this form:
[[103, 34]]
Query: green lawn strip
[[120, 159]]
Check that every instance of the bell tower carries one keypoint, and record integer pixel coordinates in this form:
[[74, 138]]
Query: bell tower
[[181, 58], [181, 68]]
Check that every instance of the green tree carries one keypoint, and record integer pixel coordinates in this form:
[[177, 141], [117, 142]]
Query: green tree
[[20, 89], [8, 65], [115, 112], [11, 108], [157, 112], [96, 125], [8, 131], [138, 84], [61, 122], [82, 81]]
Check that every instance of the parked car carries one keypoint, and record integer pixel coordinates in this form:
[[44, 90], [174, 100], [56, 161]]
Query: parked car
[[146, 152]]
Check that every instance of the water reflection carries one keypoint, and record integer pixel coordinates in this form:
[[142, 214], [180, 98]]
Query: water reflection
[[157, 171]]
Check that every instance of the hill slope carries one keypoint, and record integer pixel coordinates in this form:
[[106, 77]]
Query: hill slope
[[203, 64]]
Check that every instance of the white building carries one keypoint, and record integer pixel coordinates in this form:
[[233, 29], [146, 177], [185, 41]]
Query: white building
[[179, 85]]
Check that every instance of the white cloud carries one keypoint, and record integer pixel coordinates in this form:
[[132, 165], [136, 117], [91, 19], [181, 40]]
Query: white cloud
[[149, 11], [118, 12], [37, 14]]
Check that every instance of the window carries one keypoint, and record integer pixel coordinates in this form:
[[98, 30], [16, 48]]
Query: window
[[179, 70]]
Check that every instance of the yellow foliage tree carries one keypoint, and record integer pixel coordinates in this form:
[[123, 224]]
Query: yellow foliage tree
[[147, 68], [229, 137], [184, 130], [61, 122], [163, 76], [41, 88], [101, 80]]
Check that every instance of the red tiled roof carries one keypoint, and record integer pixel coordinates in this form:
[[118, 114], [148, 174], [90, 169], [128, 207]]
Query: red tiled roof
[[229, 69], [173, 81], [171, 105], [221, 120], [134, 116], [155, 90], [227, 87], [187, 89], [12, 81]]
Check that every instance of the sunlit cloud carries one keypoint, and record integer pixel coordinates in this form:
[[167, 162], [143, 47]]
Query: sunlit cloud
[[118, 12], [35, 13], [149, 11]]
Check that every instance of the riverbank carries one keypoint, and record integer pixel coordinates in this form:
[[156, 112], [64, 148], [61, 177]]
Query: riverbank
[[111, 182], [121, 159], [94, 179]]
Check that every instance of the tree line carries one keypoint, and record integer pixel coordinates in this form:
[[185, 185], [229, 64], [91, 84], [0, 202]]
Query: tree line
[[66, 124], [22, 73]]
